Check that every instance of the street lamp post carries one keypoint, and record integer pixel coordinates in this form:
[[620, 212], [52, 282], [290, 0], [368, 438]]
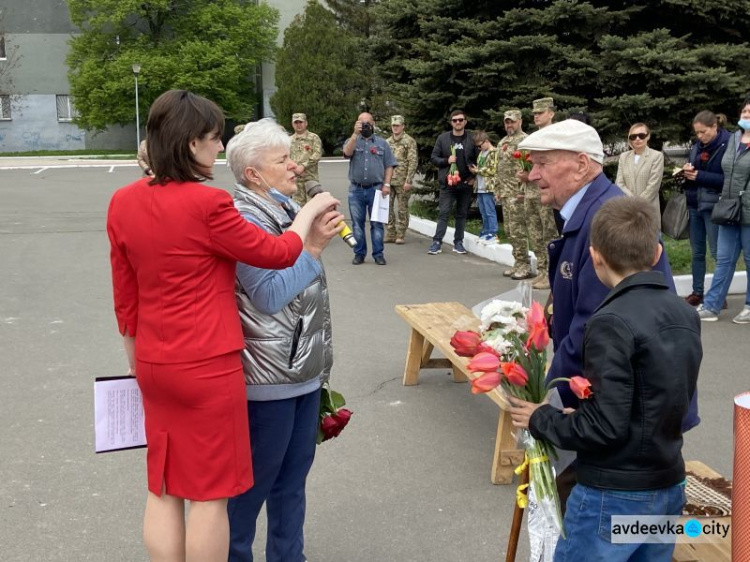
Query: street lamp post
[[136, 71]]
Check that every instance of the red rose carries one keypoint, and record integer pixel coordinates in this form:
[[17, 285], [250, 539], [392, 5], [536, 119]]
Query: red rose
[[307, 147], [705, 156], [342, 417], [373, 150], [330, 427]]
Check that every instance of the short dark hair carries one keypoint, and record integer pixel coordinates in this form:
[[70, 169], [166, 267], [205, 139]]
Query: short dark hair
[[581, 116], [625, 233], [457, 112], [176, 118]]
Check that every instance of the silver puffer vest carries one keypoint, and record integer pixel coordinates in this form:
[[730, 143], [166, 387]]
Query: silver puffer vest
[[294, 345]]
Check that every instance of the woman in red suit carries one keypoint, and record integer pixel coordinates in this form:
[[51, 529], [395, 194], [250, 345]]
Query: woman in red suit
[[174, 247]]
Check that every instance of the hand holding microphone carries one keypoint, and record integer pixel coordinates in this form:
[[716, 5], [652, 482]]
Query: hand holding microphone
[[312, 188]]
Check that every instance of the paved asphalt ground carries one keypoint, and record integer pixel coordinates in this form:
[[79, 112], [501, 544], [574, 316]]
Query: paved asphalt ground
[[408, 481]]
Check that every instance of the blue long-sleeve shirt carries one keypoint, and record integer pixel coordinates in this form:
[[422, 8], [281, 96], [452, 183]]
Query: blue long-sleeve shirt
[[271, 290]]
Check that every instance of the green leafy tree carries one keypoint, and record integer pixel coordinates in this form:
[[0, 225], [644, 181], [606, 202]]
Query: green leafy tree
[[623, 61], [210, 47], [316, 75]]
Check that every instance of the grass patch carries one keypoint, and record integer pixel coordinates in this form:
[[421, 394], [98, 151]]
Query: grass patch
[[679, 252]]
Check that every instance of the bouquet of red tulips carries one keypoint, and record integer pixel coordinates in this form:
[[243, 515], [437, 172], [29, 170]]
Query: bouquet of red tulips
[[511, 353], [333, 416], [524, 158], [454, 178]]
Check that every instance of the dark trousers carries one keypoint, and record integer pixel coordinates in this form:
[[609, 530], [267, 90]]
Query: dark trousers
[[282, 438], [461, 197], [565, 482]]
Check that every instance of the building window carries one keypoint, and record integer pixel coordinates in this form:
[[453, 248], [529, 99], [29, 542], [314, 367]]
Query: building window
[[3, 56], [5, 108], [65, 109]]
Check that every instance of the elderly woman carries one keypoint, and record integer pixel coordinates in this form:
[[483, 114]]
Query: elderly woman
[[640, 170], [174, 247], [704, 180], [288, 355], [733, 239]]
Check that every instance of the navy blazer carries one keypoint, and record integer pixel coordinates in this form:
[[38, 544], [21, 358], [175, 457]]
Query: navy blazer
[[577, 291]]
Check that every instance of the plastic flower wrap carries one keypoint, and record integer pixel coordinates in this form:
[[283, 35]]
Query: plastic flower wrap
[[454, 178]]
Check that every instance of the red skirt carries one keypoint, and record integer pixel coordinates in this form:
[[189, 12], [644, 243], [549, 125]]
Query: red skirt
[[196, 428]]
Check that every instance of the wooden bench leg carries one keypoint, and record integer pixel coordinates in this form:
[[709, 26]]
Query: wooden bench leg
[[458, 375], [507, 455], [413, 358]]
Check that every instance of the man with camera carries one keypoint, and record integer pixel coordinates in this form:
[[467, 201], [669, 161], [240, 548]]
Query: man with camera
[[371, 164]]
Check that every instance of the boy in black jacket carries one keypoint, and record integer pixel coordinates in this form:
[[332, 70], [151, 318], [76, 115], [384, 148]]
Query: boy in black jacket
[[642, 353]]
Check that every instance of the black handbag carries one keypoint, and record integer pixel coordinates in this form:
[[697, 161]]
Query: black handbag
[[726, 212]]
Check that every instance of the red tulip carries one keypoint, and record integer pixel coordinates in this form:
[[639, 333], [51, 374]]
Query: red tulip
[[527, 157], [484, 362], [535, 315], [537, 327], [465, 343], [515, 374], [581, 387], [486, 382], [517, 154]]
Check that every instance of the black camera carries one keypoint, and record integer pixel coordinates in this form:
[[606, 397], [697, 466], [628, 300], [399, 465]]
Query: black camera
[[366, 129]]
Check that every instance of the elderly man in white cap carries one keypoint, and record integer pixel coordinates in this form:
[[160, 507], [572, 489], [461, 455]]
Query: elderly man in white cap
[[567, 158]]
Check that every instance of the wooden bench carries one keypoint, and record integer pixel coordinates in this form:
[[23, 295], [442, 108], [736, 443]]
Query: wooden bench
[[721, 551], [432, 326]]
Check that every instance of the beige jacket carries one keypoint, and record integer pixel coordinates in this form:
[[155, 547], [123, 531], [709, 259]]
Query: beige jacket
[[644, 178]]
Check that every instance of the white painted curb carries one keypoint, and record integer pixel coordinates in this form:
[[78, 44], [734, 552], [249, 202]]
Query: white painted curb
[[503, 254]]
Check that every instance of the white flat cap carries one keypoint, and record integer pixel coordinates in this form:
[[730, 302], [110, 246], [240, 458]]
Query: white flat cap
[[569, 135]]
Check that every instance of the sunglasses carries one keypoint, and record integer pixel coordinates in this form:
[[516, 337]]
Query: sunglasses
[[634, 136], [458, 120]]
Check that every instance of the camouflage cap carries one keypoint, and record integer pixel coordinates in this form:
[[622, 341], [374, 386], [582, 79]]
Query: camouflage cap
[[397, 120], [543, 104], [512, 115], [299, 117]]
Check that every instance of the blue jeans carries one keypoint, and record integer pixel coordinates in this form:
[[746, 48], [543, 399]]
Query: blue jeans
[[732, 241], [282, 438], [360, 209], [486, 204], [588, 524], [701, 230]]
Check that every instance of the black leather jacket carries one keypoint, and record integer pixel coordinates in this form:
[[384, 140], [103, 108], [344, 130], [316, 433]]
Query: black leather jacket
[[642, 353]]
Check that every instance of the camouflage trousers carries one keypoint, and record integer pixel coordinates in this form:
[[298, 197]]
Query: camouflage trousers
[[399, 203], [542, 229], [514, 224], [301, 195]]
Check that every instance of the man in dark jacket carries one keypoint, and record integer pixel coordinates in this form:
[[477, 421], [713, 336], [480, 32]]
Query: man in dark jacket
[[454, 147], [567, 158]]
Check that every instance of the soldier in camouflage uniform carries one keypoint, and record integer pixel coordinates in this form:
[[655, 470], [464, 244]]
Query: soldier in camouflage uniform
[[404, 148], [512, 194], [306, 151], [540, 220]]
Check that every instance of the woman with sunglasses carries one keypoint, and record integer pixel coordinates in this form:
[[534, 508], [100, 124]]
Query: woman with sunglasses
[[640, 170], [704, 179], [733, 239]]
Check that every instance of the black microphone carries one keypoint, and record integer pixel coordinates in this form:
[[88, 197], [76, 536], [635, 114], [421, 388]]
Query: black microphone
[[312, 188]]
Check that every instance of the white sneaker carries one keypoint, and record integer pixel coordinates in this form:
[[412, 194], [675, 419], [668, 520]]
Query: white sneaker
[[706, 315], [743, 317]]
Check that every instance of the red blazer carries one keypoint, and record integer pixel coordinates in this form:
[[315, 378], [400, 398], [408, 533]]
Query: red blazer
[[174, 250]]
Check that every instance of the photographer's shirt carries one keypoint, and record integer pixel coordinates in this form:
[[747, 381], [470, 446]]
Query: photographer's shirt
[[368, 162]]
